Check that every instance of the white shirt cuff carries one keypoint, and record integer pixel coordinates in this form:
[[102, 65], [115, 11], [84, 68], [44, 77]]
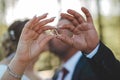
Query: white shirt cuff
[[90, 55]]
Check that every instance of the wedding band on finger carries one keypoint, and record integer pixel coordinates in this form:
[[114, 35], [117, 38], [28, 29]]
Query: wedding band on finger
[[52, 32], [56, 32]]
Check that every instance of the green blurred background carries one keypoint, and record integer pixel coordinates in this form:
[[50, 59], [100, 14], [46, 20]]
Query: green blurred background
[[106, 15]]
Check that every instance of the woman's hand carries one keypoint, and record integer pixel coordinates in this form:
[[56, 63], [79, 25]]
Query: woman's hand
[[33, 40]]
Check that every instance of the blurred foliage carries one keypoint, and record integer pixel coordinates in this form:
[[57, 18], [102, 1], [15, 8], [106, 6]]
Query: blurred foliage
[[4, 4], [111, 38], [1, 55], [47, 61], [3, 29], [110, 32]]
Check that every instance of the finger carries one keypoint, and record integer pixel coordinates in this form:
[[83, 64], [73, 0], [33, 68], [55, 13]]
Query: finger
[[41, 17], [69, 27], [42, 37], [83, 27], [87, 14], [65, 39], [77, 31], [45, 40], [70, 18], [41, 30], [79, 28], [78, 16], [42, 23], [29, 24]]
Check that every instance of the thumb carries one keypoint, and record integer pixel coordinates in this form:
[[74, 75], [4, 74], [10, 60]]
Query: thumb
[[65, 39]]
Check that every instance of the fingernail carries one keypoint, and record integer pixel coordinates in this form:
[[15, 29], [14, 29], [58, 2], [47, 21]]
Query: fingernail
[[45, 14], [62, 14], [34, 16], [52, 18]]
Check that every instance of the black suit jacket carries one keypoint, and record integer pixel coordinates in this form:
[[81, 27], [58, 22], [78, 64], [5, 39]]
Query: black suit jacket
[[103, 66]]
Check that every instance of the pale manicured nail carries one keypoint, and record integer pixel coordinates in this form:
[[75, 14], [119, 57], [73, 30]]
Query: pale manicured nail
[[52, 18], [34, 16], [45, 14]]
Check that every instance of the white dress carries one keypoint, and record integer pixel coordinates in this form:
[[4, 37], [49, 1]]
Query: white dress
[[3, 68]]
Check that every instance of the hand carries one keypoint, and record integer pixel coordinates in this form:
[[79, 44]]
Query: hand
[[32, 40], [85, 37]]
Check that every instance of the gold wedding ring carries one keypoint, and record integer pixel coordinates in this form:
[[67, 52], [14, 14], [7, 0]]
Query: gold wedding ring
[[52, 32]]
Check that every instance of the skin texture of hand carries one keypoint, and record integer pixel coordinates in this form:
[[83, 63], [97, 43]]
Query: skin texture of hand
[[32, 40], [85, 37]]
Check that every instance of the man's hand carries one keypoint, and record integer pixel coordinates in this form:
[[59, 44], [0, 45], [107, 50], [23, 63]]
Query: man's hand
[[85, 37]]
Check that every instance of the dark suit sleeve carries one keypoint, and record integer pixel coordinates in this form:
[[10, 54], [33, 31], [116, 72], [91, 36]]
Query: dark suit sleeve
[[105, 65]]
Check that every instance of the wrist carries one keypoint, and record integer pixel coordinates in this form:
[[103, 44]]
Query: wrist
[[91, 48], [18, 66], [13, 74]]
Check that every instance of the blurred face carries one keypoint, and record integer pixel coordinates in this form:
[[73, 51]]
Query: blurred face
[[58, 47]]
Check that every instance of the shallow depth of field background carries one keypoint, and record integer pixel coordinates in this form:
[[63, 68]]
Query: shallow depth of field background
[[106, 15]]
